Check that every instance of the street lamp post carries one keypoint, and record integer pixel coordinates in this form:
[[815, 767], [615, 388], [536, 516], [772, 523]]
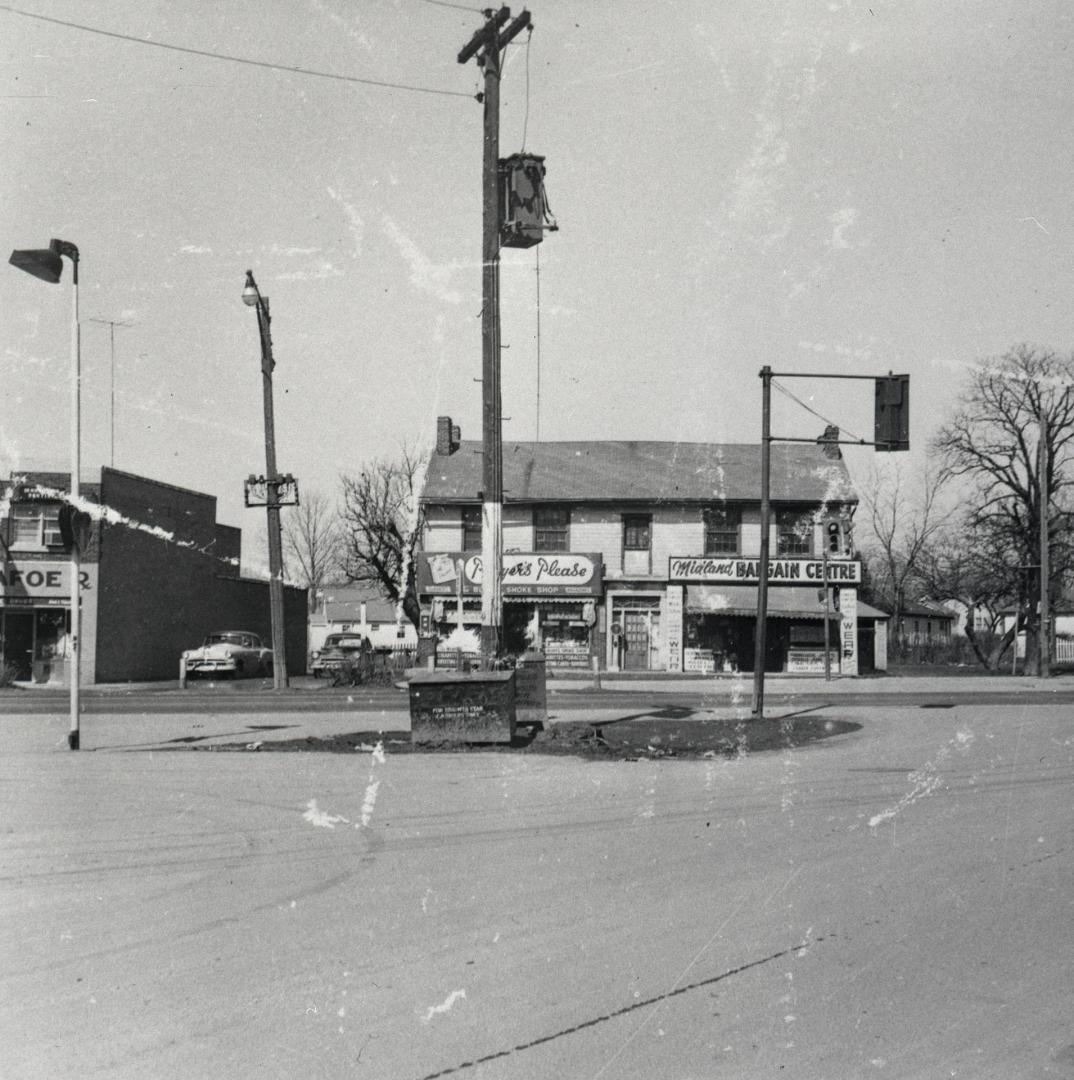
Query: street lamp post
[[47, 264], [252, 297]]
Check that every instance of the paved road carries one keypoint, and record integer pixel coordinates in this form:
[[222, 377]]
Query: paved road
[[891, 903]]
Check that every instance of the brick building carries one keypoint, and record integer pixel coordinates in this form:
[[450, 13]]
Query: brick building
[[642, 555], [158, 573]]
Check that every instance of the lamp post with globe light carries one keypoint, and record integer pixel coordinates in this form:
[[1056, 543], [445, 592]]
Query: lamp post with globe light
[[47, 264]]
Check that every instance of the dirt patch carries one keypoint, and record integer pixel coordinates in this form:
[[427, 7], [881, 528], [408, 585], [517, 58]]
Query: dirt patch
[[642, 737]]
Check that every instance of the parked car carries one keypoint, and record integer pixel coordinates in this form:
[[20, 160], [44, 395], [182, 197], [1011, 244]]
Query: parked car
[[349, 655], [230, 654]]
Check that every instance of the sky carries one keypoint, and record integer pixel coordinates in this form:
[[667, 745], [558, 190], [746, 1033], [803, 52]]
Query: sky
[[824, 187]]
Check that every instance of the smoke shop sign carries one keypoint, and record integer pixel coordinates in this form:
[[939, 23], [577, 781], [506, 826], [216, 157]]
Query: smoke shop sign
[[748, 571], [524, 574]]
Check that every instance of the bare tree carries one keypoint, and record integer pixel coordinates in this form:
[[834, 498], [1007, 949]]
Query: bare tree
[[902, 519], [967, 565], [382, 526], [993, 441], [312, 542]]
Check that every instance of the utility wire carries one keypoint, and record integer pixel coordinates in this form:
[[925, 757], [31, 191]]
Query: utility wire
[[233, 59], [526, 117], [457, 7], [783, 390]]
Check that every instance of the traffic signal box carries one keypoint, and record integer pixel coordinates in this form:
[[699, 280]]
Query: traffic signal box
[[524, 213], [893, 413]]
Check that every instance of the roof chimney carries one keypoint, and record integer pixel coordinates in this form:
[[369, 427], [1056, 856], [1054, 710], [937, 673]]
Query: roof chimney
[[447, 436], [830, 441]]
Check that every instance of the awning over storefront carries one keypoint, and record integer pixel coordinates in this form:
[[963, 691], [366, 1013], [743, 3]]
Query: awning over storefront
[[783, 603]]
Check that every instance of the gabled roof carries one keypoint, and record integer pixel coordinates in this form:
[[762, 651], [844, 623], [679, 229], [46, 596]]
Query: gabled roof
[[642, 472], [929, 608], [343, 603]]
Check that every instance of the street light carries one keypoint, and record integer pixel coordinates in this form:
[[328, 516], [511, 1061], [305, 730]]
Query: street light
[[251, 296], [47, 264]]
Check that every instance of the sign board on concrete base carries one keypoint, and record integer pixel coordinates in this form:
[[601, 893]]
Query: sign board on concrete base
[[453, 706]]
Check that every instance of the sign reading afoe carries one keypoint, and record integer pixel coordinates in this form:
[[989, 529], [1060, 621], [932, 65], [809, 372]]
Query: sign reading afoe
[[38, 580]]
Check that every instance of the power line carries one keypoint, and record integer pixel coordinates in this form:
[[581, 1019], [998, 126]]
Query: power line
[[457, 7], [233, 59], [526, 118], [783, 390]]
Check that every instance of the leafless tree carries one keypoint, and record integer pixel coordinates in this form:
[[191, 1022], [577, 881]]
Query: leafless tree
[[967, 565], [993, 441], [382, 526], [901, 518], [312, 542]]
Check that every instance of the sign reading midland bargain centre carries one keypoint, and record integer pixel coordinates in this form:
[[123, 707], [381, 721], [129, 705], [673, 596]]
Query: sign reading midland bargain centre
[[524, 573], [748, 571]]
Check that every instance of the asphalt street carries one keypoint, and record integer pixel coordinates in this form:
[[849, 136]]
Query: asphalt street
[[890, 902]]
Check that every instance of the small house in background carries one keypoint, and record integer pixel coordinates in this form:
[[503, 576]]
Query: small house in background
[[923, 622], [359, 609]]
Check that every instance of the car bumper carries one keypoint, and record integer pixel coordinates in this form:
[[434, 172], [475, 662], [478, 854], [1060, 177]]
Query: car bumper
[[201, 667]]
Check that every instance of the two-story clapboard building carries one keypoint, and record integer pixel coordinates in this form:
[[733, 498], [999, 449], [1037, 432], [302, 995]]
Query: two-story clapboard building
[[643, 555]]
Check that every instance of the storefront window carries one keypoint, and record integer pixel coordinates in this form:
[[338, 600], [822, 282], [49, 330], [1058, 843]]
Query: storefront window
[[551, 528], [471, 528], [721, 530]]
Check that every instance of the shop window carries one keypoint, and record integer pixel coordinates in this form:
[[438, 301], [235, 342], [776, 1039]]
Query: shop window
[[471, 528], [551, 529], [794, 532], [721, 530], [35, 527]]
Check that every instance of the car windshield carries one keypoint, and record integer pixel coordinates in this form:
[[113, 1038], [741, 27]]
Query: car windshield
[[225, 639], [342, 642]]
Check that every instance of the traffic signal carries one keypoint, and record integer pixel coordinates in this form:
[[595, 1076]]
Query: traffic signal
[[893, 413], [835, 538]]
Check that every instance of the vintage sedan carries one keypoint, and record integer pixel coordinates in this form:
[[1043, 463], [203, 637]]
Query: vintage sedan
[[229, 654], [343, 655]]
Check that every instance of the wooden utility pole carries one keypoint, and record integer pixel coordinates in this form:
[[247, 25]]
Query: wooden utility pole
[[488, 44], [1045, 639]]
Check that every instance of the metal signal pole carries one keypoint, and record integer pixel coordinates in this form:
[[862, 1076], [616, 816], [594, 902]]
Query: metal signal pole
[[759, 636], [488, 44]]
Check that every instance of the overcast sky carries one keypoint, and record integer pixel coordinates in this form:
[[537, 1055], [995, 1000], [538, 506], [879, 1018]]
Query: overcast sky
[[844, 187]]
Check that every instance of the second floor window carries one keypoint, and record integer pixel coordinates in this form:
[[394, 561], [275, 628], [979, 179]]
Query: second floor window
[[35, 527], [551, 527], [637, 532], [794, 532], [471, 528], [721, 530]]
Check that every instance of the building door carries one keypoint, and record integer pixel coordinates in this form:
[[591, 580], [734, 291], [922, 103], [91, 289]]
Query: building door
[[18, 643], [636, 634]]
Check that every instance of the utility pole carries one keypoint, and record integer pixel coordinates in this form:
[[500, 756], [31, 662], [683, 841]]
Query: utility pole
[[279, 490], [111, 324], [1044, 643], [488, 44]]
